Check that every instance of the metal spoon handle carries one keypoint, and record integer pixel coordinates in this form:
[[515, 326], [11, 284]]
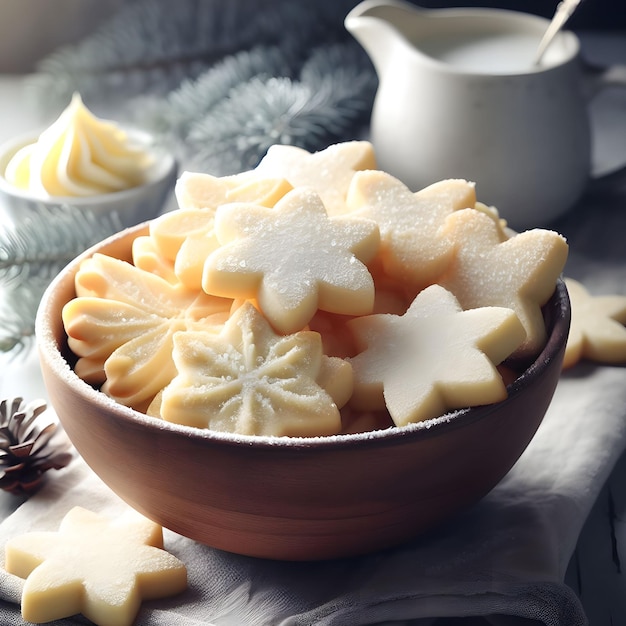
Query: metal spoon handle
[[563, 12]]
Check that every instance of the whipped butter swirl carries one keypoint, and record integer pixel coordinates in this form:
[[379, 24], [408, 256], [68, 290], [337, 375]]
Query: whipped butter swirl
[[79, 155]]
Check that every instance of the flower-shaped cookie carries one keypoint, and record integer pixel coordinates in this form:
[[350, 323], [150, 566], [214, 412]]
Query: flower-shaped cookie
[[122, 323], [249, 380], [95, 566], [519, 273], [434, 358], [597, 330], [293, 259], [412, 247], [328, 171]]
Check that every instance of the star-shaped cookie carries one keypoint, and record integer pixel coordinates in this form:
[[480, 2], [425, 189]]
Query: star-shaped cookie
[[328, 171], [412, 247], [597, 330], [293, 259], [519, 273], [434, 358], [95, 566], [251, 381]]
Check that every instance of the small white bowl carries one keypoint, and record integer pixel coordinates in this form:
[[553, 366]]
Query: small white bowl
[[132, 206]]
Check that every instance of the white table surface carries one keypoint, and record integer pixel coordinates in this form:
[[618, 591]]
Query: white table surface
[[596, 572]]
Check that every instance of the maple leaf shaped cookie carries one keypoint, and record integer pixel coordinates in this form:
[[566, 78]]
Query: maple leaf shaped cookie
[[412, 247], [519, 273], [597, 329], [95, 566], [434, 358], [293, 259], [251, 381], [121, 328], [328, 171]]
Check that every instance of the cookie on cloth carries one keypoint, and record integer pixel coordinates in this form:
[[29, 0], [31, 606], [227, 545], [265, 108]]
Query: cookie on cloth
[[99, 567], [597, 330]]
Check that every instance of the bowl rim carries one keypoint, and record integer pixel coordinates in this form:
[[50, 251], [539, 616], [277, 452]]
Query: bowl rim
[[52, 353], [165, 163]]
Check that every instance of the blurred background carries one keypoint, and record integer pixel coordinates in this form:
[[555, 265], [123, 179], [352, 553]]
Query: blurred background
[[30, 29]]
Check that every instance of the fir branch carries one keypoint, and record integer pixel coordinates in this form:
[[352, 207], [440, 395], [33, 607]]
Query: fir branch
[[330, 106], [237, 132], [150, 46], [41, 243], [32, 253], [18, 309], [174, 115]]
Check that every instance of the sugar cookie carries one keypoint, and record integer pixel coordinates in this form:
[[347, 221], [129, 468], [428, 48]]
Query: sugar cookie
[[519, 273], [328, 171], [249, 380], [293, 259], [147, 257], [95, 566], [411, 245], [124, 324], [195, 190], [597, 330], [434, 358], [199, 195]]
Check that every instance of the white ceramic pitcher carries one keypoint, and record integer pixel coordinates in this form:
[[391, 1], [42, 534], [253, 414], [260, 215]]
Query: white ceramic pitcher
[[459, 96]]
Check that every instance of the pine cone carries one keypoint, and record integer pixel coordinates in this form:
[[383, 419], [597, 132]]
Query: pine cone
[[28, 448]]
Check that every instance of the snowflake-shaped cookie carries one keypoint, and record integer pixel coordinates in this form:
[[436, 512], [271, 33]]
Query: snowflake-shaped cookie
[[328, 171], [95, 566], [434, 358], [293, 259], [249, 380], [412, 247], [121, 326], [519, 273], [597, 329]]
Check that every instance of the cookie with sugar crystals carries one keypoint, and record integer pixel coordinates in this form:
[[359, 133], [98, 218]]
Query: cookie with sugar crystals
[[412, 247], [328, 171], [293, 259], [247, 379], [519, 273]]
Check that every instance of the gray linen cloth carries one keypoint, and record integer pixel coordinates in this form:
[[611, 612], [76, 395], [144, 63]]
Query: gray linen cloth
[[505, 556]]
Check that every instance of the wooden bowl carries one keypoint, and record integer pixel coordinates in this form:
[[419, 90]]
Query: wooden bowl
[[294, 498]]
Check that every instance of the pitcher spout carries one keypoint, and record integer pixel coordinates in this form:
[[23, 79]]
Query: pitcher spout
[[376, 25]]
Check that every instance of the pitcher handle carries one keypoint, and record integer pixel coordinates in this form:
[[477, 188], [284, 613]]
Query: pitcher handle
[[596, 79]]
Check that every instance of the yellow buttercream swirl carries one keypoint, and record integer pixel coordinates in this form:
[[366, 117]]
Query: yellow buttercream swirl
[[79, 155]]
